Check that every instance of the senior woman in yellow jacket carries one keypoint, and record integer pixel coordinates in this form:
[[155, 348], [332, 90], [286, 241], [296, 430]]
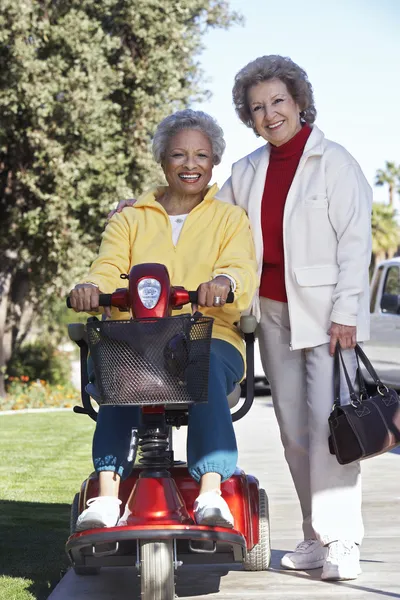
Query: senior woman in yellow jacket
[[205, 244]]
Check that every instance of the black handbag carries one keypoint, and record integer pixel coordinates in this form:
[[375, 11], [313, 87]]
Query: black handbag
[[369, 425]]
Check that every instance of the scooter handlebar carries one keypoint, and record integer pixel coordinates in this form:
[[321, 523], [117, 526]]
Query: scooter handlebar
[[193, 297], [104, 300]]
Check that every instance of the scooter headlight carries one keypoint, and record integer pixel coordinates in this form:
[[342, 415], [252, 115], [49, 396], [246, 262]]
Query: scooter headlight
[[149, 291]]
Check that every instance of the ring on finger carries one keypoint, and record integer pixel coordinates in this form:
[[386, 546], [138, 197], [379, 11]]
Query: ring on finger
[[217, 300]]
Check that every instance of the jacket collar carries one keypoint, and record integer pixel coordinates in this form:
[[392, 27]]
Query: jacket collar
[[313, 147], [315, 143], [149, 198]]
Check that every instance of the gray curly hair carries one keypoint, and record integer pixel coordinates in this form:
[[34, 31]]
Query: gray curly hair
[[274, 67], [188, 119]]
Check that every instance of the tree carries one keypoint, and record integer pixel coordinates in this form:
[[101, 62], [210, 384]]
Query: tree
[[390, 175], [385, 232], [83, 85]]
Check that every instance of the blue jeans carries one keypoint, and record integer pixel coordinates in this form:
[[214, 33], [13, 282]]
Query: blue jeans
[[211, 445]]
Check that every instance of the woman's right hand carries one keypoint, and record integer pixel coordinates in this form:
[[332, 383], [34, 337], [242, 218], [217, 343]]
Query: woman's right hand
[[121, 204], [85, 298]]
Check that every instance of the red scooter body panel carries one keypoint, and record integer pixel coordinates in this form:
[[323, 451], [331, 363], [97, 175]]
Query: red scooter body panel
[[155, 501]]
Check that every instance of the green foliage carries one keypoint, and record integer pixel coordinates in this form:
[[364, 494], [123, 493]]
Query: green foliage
[[40, 361], [54, 321], [38, 394], [83, 85], [385, 233], [43, 459], [385, 229], [389, 176]]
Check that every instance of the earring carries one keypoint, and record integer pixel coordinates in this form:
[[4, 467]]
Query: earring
[[303, 116]]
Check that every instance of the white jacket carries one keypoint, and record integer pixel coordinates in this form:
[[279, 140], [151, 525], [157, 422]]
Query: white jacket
[[326, 234]]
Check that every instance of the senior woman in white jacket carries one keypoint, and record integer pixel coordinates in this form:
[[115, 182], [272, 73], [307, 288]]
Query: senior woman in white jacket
[[309, 205], [310, 209]]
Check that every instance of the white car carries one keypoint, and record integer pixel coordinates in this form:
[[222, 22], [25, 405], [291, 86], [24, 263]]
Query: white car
[[383, 349]]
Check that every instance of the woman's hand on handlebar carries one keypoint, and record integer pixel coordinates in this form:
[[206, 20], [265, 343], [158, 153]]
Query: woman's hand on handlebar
[[214, 292], [85, 298], [121, 204]]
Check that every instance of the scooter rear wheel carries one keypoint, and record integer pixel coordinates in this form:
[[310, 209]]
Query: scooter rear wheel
[[157, 570], [259, 557]]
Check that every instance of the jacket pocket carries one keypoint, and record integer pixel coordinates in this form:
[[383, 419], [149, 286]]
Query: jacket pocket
[[316, 276], [316, 201]]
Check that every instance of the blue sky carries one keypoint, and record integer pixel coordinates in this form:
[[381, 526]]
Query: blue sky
[[351, 52]]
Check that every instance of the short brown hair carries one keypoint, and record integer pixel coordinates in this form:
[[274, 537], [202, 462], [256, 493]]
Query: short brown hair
[[273, 67]]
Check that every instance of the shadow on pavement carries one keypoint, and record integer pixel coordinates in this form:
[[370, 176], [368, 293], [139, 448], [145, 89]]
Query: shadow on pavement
[[315, 575], [201, 581], [32, 541]]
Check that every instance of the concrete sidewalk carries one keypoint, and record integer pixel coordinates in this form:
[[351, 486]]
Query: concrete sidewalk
[[261, 454]]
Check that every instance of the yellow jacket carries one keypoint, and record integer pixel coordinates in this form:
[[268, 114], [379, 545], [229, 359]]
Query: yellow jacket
[[215, 239]]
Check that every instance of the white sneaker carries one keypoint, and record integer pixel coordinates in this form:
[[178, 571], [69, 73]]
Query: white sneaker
[[211, 509], [342, 562], [102, 512], [310, 554]]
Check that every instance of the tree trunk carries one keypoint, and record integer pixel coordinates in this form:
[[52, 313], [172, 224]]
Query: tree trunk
[[391, 194], [15, 316], [5, 348]]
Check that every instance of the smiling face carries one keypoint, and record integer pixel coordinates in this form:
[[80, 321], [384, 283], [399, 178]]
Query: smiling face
[[276, 116], [188, 162]]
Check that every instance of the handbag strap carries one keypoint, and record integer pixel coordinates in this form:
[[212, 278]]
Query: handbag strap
[[362, 388], [336, 378], [367, 364]]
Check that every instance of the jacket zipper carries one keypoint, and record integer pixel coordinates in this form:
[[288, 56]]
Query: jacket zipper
[[184, 225], [162, 209]]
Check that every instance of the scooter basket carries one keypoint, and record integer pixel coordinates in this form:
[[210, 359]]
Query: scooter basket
[[151, 361]]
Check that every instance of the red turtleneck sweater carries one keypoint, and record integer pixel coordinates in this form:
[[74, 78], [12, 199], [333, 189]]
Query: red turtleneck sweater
[[282, 167]]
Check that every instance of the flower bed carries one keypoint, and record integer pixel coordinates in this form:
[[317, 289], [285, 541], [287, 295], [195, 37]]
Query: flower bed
[[22, 393]]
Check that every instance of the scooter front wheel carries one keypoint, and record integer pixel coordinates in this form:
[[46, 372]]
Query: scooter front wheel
[[157, 570]]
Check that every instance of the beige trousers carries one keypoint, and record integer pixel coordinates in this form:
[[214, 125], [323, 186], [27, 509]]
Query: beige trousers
[[302, 392]]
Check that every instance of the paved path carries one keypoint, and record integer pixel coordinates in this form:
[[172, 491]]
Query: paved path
[[260, 453]]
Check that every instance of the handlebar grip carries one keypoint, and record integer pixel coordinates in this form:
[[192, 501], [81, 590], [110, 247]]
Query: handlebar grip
[[104, 300], [193, 297]]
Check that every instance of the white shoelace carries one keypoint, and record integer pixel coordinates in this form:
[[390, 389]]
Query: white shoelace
[[304, 545]]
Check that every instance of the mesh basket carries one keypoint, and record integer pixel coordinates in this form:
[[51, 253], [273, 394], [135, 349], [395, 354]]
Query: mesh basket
[[151, 361]]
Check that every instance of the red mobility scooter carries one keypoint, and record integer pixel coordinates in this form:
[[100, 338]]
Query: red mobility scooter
[[161, 363]]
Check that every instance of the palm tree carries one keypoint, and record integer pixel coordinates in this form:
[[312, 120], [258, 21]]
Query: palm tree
[[385, 232], [390, 175]]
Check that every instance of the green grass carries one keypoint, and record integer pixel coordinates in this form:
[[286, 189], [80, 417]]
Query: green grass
[[43, 459]]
